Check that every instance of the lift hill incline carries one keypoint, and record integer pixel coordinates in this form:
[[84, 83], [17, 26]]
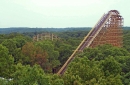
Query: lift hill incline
[[107, 31]]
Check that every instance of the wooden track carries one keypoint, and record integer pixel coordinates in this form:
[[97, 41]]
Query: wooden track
[[88, 41]]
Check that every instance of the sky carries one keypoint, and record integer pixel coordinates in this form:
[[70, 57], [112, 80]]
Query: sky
[[59, 13]]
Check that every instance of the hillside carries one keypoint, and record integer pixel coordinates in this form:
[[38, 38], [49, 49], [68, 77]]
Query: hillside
[[26, 29]]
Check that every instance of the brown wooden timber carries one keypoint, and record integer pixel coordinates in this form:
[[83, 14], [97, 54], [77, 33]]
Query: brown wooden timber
[[108, 31]]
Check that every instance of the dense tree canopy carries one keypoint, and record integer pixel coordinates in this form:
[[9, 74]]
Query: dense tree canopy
[[6, 63], [25, 62], [26, 75]]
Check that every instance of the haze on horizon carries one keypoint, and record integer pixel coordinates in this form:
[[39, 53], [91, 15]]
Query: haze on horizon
[[59, 13]]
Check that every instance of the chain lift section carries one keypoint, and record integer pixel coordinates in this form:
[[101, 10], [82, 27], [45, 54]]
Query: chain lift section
[[108, 30]]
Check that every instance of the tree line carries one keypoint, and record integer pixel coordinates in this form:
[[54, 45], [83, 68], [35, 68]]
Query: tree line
[[24, 62]]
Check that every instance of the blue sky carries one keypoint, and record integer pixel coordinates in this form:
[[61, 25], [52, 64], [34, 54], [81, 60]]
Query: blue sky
[[59, 13]]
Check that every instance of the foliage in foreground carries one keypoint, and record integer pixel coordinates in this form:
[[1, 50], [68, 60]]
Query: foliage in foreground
[[23, 62]]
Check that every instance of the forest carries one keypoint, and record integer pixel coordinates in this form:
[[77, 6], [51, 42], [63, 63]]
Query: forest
[[25, 62]]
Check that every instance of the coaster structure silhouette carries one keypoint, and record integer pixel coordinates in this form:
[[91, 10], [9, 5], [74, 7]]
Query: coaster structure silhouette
[[108, 30]]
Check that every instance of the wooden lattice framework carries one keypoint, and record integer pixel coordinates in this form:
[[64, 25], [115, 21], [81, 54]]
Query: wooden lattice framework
[[108, 30], [111, 32], [45, 36]]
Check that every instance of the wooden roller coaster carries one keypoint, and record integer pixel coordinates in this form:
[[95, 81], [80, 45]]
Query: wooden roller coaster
[[108, 30]]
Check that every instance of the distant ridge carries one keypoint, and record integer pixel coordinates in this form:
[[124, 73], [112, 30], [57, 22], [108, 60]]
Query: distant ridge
[[27, 29]]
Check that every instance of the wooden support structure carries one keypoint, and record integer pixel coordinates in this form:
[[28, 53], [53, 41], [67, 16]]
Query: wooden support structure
[[107, 31], [45, 36], [111, 32]]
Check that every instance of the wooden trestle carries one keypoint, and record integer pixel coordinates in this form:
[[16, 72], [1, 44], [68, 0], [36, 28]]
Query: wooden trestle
[[108, 30], [111, 32]]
